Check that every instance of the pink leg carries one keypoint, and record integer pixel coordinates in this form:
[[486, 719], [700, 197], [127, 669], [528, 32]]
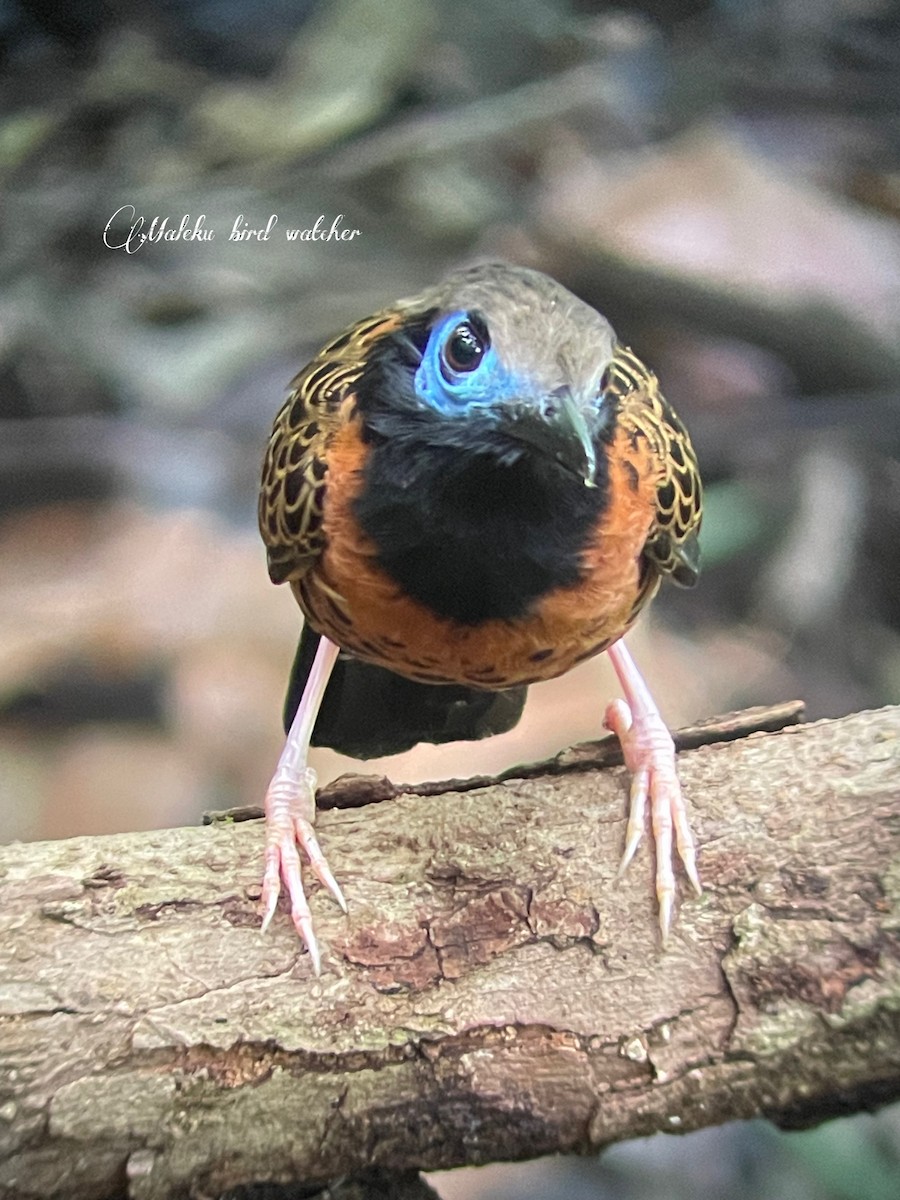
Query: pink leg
[[291, 811], [650, 757]]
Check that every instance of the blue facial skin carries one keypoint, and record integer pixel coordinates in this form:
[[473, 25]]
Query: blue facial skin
[[563, 429], [456, 392]]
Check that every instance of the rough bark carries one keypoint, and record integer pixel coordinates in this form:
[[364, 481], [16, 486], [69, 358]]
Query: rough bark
[[494, 993]]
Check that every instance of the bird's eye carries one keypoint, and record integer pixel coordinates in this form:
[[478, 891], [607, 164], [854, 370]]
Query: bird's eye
[[465, 347]]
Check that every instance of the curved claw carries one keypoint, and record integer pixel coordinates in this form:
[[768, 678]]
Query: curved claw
[[650, 757], [291, 809], [310, 843], [287, 800]]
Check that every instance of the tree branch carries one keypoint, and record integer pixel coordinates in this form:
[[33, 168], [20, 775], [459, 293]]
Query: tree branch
[[495, 992]]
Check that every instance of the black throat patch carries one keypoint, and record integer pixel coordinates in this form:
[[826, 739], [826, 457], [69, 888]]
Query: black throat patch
[[466, 520]]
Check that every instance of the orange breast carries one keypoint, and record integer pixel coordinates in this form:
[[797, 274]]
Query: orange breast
[[351, 600]]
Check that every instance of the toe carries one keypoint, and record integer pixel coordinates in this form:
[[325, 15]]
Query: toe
[[307, 838]]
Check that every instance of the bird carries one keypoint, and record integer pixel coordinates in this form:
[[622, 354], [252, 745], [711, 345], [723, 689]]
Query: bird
[[469, 492]]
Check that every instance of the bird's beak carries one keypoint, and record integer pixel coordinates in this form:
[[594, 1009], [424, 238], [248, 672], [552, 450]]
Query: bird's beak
[[557, 427], [577, 448]]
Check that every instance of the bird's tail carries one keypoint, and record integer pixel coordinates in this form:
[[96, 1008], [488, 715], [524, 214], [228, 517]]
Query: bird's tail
[[369, 711]]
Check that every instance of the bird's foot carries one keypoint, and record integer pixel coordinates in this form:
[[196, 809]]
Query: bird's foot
[[290, 810], [650, 757]]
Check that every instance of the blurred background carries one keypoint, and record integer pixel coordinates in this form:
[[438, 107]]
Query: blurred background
[[720, 177]]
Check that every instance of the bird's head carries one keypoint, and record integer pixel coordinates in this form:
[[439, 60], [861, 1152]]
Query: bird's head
[[505, 361]]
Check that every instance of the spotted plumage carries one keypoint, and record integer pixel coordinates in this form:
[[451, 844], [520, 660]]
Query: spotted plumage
[[314, 476], [470, 492], [320, 402]]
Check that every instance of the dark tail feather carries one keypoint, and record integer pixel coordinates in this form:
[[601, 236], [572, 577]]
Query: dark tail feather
[[369, 711]]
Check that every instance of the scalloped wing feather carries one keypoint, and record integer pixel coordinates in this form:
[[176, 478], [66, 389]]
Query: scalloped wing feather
[[672, 544], [295, 470]]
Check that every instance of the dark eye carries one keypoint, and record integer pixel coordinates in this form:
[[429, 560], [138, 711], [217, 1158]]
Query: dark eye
[[466, 346]]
